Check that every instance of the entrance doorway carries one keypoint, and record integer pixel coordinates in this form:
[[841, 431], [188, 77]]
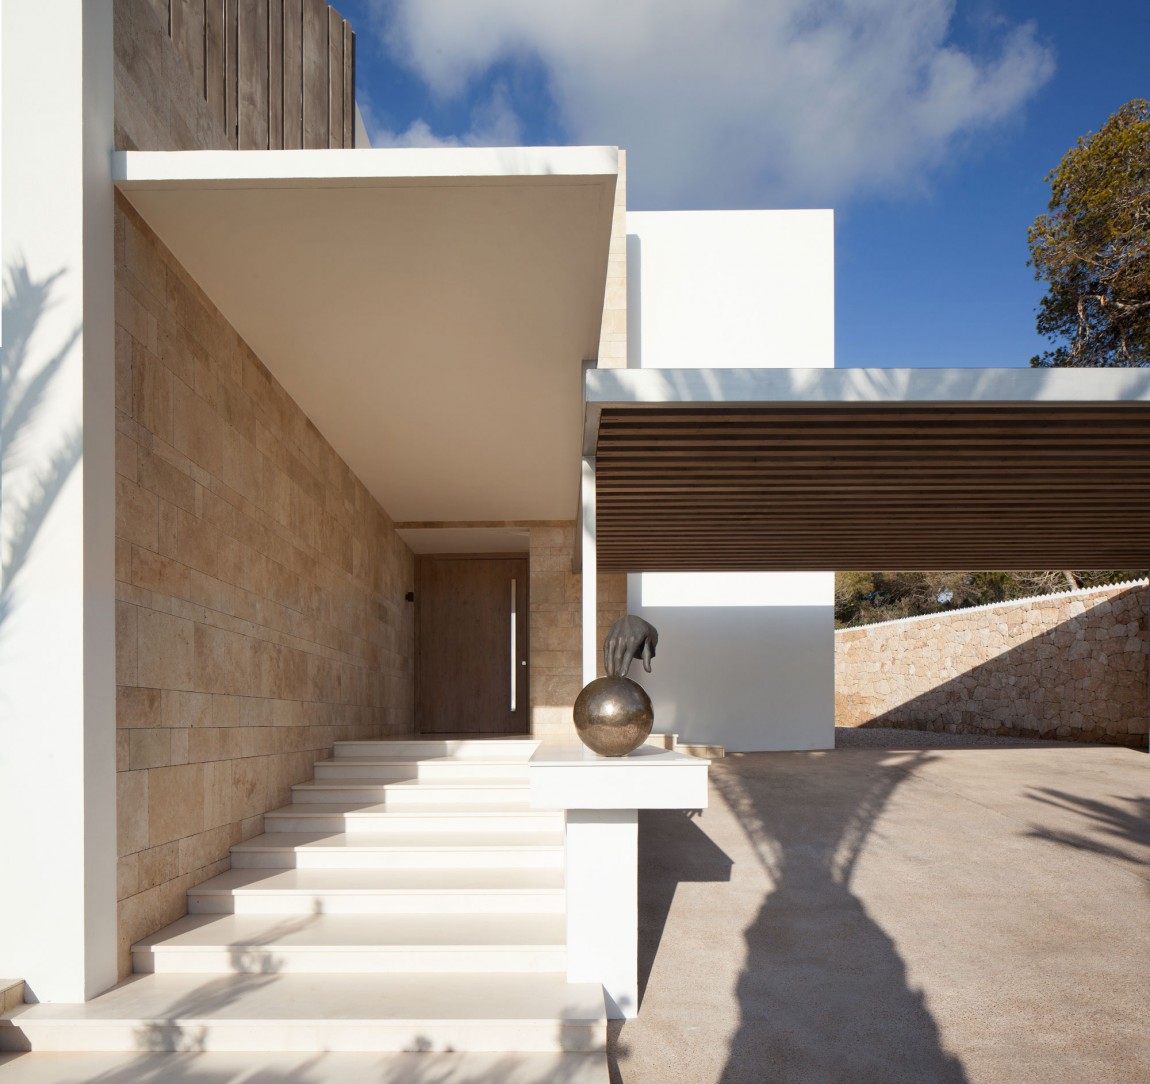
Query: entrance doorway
[[471, 644]]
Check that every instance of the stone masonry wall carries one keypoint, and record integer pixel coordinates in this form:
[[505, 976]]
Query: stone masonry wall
[[556, 644], [613, 334], [1071, 666], [261, 612]]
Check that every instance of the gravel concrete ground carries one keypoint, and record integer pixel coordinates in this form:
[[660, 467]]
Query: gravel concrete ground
[[909, 907]]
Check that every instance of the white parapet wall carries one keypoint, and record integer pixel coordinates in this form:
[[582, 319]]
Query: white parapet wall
[[745, 660]]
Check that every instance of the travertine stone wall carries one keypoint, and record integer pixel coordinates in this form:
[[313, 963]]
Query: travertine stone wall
[[613, 335], [1070, 666], [556, 651], [261, 611]]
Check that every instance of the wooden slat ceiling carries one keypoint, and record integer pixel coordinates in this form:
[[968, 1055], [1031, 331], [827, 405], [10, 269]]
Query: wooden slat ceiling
[[863, 486]]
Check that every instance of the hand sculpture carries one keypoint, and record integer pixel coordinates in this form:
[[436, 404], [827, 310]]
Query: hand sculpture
[[630, 637]]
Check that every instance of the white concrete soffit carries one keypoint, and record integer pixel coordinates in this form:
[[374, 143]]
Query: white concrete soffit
[[429, 309], [790, 469]]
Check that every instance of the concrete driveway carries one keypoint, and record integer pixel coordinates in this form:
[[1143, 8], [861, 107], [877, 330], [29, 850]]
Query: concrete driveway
[[910, 907]]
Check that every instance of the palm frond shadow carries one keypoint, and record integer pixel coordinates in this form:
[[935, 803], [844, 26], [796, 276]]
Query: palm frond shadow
[[31, 481]]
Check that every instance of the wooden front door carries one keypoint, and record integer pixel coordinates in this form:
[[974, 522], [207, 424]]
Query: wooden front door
[[471, 645]]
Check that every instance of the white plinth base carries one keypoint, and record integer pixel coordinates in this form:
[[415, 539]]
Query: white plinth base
[[603, 904], [602, 797]]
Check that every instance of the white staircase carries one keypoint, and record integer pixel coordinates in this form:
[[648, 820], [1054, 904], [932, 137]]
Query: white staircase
[[408, 899]]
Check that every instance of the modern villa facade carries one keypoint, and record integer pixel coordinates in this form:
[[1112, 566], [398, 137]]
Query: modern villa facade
[[303, 405]]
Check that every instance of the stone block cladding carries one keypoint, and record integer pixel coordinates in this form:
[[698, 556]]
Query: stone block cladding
[[261, 612], [1071, 666], [556, 651], [613, 336]]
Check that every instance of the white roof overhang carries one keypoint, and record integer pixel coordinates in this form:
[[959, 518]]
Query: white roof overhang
[[429, 310], [787, 469]]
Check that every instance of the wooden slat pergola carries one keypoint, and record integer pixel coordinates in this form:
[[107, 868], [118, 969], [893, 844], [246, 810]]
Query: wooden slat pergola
[[775, 470]]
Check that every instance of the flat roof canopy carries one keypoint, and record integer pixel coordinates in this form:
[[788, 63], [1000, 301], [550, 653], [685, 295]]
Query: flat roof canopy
[[430, 310], [865, 469]]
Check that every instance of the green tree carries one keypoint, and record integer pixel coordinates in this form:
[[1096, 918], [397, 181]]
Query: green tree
[[1092, 247], [865, 597]]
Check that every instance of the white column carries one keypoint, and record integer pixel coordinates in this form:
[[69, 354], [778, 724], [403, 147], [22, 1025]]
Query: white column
[[590, 576], [603, 904], [57, 504], [602, 797]]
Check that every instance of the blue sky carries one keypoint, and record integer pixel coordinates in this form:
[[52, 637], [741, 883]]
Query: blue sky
[[928, 126]]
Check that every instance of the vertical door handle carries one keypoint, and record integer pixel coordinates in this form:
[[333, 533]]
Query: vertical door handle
[[514, 663]]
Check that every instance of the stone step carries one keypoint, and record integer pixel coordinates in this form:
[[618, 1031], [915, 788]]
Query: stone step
[[459, 748], [309, 1067], [387, 891], [395, 769], [353, 817], [538, 1012], [11, 994], [411, 850], [403, 795], [354, 944]]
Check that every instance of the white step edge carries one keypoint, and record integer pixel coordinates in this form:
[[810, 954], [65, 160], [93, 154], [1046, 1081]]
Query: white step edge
[[540, 1012], [396, 891], [351, 818], [312, 1067], [395, 769], [366, 850], [410, 794], [476, 749], [259, 944]]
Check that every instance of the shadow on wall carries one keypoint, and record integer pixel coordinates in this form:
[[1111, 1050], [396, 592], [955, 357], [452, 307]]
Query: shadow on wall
[[1082, 680], [31, 481], [823, 995]]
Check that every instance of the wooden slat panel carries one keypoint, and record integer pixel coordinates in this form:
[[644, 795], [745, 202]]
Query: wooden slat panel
[[335, 78], [857, 486], [253, 74], [348, 85], [275, 74], [315, 78], [232, 66], [215, 74], [293, 74], [187, 22], [163, 9]]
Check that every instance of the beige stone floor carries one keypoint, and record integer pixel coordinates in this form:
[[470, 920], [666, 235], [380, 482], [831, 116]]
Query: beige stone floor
[[909, 907]]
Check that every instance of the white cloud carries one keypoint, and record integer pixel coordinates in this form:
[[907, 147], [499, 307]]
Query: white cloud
[[733, 102], [494, 123]]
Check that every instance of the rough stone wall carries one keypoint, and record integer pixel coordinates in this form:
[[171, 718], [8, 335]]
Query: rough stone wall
[[1070, 666], [556, 651], [261, 612]]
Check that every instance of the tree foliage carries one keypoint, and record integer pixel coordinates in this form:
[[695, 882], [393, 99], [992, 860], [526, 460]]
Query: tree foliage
[[1092, 247], [864, 597]]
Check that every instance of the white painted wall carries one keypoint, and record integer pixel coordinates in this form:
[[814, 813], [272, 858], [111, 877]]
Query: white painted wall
[[745, 660], [57, 637], [730, 289]]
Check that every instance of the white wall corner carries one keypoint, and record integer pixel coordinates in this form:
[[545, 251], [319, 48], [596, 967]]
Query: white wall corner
[[57, 505]]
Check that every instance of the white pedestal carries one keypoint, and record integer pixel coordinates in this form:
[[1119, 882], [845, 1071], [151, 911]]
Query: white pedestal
[[602, 797]]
